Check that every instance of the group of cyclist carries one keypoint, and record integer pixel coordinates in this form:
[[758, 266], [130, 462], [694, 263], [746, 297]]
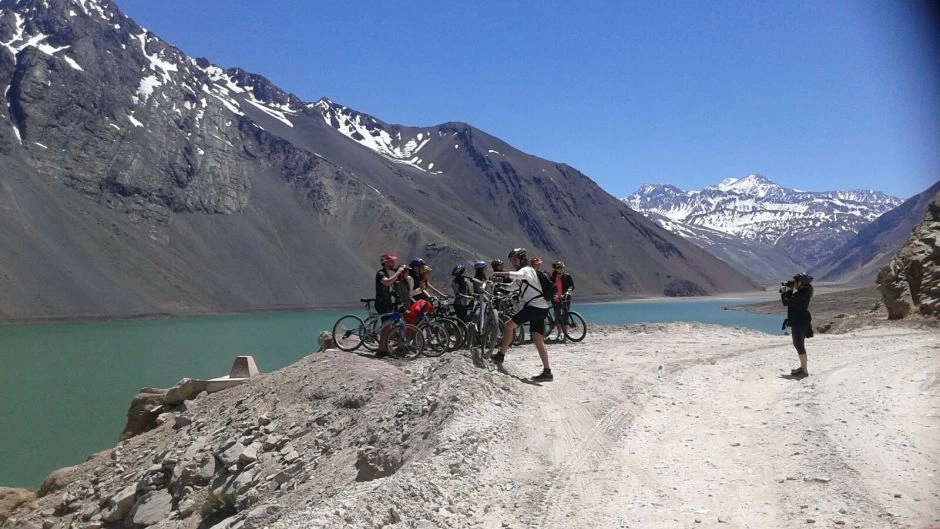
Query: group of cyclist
[[398, 286]]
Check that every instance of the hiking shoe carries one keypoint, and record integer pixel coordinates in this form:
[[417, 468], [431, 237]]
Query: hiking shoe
[[498, 358], [544, 376], [381, 354], [798, 372]]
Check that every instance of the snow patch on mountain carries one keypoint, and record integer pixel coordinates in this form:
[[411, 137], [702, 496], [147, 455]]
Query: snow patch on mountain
[[806, 225], [372, 134]]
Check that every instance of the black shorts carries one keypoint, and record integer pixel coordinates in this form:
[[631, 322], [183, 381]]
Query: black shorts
[[534, 316]]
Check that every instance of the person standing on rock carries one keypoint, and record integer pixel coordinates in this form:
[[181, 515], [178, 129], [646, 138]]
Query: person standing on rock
[[534, 309], [796, 296]]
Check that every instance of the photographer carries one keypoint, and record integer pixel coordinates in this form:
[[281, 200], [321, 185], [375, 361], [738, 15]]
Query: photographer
[[796, 295]]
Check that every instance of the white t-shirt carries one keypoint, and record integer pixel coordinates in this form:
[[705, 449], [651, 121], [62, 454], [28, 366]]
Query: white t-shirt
[[526, 279]]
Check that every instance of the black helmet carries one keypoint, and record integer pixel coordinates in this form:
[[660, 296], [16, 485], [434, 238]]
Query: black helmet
[[496, 262], [804, 277], [517, 252], [457, 270]]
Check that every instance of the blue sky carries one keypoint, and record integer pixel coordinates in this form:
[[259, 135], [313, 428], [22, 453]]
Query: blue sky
[[816, 95]]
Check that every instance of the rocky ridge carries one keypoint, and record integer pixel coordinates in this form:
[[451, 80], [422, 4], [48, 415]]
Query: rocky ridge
[[285, 440], [910, 283]]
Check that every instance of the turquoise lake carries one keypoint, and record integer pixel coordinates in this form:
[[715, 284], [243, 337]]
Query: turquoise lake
[[66, 387]]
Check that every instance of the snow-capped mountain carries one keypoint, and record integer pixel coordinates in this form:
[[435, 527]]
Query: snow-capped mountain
[[138, 180], [803, 227]]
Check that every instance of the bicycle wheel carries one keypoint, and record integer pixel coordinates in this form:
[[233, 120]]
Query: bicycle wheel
[[406, 341], [489, 337], [436, 339], [470, 337], [576, 329], [454, 333], [370, 333], [347, 332]]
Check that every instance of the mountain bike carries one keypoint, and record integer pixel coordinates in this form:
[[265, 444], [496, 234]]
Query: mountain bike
[[483, 328], [351, 332], [575, 329]]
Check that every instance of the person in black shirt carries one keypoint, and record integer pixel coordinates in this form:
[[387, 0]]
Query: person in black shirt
[[796, 295], [388, 298], [463, 288]]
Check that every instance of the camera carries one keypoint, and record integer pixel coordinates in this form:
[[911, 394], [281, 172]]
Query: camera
[[786, 286]]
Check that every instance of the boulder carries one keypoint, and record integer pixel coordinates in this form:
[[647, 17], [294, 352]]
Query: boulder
[[186, 389], [57, 479], [910, 283], [153, 507], [143, 412], [11, 498], [120, 504]]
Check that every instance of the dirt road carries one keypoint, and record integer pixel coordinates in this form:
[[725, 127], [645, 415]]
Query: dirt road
[[687, 425]]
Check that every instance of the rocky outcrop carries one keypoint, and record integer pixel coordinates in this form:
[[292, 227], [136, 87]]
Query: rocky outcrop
[[143, 412], [910, 283], [11, 498], [683, 288], [281, 441]]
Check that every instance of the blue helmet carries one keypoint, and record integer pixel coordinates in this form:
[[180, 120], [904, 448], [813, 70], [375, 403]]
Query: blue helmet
[[457, 269], [804, 277], [416, 262], [477, 265]]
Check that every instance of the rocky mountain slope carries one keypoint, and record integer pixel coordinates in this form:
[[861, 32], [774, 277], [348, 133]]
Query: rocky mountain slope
[[765, 229], [910, 283], [862, 256], [138, 180]]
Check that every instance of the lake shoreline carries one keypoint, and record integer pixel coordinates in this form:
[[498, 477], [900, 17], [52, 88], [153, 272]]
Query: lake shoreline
[[764, 301]]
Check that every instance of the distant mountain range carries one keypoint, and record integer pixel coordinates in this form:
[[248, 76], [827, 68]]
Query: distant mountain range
[[762, 228], [138, 180]]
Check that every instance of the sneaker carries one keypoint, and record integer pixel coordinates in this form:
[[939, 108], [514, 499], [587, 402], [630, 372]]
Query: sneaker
[[381, 354], [544, 376], [498, 358], [798, 372]]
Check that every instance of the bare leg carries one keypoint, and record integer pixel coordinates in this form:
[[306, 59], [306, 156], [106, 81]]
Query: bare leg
[[539, 342], [508, 330], [383, 336]]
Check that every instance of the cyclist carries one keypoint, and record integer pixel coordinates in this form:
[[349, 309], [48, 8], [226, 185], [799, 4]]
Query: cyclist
[[389, 296], [534, 308], [497, 265], [463, 288], [415, 277], [425, 282], [564, 284], [479, 275], [536, 262]]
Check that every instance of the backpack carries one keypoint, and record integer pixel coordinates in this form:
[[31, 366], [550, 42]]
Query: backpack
[[546, 285]]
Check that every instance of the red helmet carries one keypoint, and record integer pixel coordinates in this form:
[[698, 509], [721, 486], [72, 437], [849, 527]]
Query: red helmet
[[536, 261], [386, 257]]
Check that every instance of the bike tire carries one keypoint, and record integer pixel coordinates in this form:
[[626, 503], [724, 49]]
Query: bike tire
[[577, 329], [436, 339], [454, 334], [406, 341], [489, 337], [370, 336], [347, 332]]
